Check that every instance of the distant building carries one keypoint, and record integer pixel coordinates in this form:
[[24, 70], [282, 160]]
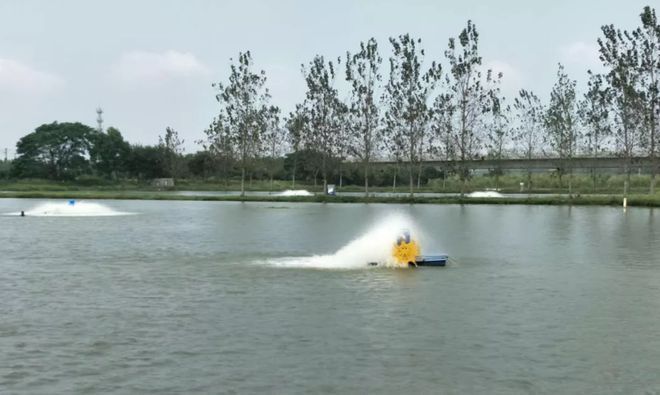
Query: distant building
[[163, 182]]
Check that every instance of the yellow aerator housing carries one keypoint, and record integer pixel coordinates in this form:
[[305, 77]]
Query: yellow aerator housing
[[405, 251]]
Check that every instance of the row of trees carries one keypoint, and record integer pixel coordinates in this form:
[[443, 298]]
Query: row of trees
[[423, 109], [457, 112], [62, 151]]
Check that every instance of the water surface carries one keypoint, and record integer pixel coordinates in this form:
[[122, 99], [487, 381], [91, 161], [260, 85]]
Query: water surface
[[182, 298]]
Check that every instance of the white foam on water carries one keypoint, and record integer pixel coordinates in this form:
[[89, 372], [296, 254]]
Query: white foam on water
[[373, 246], [295, 192], [485, 194], [68, 209]]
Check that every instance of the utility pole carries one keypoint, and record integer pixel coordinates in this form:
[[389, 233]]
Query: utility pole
[[99, 119], [5, 155]]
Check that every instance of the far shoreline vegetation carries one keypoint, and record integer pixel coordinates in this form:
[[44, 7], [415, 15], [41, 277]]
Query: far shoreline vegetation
[[417, 111]]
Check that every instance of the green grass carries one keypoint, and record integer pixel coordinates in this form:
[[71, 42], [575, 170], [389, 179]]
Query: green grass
[[611, 200], [583, 187], [509, 183]]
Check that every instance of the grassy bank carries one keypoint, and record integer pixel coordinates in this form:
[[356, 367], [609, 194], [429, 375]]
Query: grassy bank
[[509, 183], [584, 200]]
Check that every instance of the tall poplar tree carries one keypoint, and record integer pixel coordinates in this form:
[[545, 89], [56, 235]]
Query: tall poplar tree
[[561, 123], [499, 133], [296, 132], [325, 111], [471, 92], [363, 73], [647, 39], [407, 95], [244, 111], [443, 130], [620, 56], [529, 130], [593, 111]]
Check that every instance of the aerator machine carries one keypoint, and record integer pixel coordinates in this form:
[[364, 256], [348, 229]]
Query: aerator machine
[[406, 253]]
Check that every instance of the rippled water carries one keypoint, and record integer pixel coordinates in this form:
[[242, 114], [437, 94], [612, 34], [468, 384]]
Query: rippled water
[[179, 298]]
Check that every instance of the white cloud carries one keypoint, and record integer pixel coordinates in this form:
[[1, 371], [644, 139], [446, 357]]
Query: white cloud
[[157, 67], [512, 78], [580, 53], [19, 78]]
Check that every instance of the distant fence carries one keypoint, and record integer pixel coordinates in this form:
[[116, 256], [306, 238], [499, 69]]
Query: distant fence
[[614, 165], [163, 182]]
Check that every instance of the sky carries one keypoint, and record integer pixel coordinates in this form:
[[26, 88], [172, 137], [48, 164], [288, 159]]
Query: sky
[[149, 64]]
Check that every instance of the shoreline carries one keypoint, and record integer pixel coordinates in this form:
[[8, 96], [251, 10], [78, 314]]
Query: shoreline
[[550, 200]]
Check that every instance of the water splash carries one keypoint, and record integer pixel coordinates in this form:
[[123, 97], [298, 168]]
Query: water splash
[[295, 192], [485, 194], [71, 208], [374, 246]]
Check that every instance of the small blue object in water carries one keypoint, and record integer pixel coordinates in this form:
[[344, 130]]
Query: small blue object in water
[[72, 202], [432, 260]]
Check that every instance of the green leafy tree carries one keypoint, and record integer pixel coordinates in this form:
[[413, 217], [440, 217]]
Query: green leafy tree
[[362, 71], [562, 124], [56, 151], [443, 129], [219, 144], [620, 56], [201, 164], [499, 133], [529, 130], [407, 94], [146, 162], [243, 117], [274, 138], [297, 128], [109, 152], [472, 93], [172, 149], [326, 112], [647, 40], [594, 114]]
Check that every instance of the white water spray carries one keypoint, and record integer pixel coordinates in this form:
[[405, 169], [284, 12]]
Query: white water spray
[[375, 246], [71, 208], [295, 192]]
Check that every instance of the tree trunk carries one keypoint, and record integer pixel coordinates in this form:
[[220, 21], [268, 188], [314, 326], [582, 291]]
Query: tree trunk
[[654, 167], [394, 180], [626, 182], [325, 177], [242, 181], [366, 178], [411, 177]]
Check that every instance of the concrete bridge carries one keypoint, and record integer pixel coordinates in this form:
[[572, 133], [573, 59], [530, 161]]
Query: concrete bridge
[[604, 164]]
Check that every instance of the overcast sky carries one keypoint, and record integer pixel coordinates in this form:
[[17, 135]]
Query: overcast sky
[[150, 64]]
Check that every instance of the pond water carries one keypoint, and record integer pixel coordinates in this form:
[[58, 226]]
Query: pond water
[[228, 297]]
